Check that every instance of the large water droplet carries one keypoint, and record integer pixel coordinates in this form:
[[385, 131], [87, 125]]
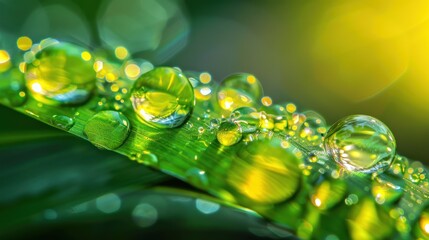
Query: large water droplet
[[107, 129], [59, 74], [265, 172], [163, 97], [229, 133], [62, 122], [361, 143], [239, 90]]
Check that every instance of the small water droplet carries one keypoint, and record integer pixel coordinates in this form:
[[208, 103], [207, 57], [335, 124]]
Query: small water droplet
[[163, 97], [62, 122], [147, 158], [197, 177], [247, 117], [107, 129], [361, 143], [229, 133], [239, 90], [59, 76]]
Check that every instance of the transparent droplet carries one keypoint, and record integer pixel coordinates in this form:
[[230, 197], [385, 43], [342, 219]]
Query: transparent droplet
[[147, 158], [62, 122], [107, 129], [399, 165], [58, 75], [328, 193], [264, 172], [202, 84], [229, 133], [239, 90], [361, 143], [163, 98], [247, 117], [313, 128], [197, 177]]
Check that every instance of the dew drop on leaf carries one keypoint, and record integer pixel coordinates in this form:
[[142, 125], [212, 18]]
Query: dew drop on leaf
[[361, 143], [107, 129], [163, 97]]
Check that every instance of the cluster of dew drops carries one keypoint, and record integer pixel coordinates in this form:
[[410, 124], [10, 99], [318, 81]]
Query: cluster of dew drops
[[64, 74]]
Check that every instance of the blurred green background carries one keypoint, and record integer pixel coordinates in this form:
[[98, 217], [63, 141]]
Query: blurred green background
[[335, 57]]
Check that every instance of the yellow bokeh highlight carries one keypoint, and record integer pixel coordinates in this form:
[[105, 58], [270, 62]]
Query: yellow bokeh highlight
[[205, 77], [132, 71], [86, 56], [24, 43], [266, 101], [4, 60], [121, 52]]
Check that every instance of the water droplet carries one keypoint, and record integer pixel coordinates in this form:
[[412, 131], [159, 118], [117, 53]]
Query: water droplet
[[399, 165], [265, 172], [239, 90], [62, 122], [107, 129], [59, 76], [328, 193], [197, 177], [214, 124], [147, 158], [361, 143], [229, 133], [247, 117], [313, 128], [163, 98]]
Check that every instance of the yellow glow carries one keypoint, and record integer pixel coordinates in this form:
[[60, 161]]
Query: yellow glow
[[22, 67], [86, 56], [22, 94], [110, 77], [424, 222], [290, 107], [251, 79], [121, 52], [24, 43], [114, 88], [4, 60], [205, 78], [132, 71], [266, 101], [37, 87]]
